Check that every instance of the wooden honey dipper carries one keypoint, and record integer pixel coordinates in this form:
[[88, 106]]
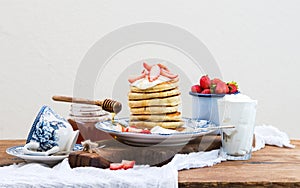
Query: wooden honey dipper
[[107, 105]]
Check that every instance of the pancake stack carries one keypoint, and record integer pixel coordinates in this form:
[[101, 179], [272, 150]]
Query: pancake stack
[[155, 106]]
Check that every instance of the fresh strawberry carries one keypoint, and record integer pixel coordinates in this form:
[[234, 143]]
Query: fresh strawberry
[[205, 82], [213, 84], [206, 91], [227, 89], [212, 88], [215, 81], [196, 89], [233, 87], [116, 166], [127, 164], [221, 88]]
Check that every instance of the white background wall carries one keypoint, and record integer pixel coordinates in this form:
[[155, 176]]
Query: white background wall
[[42, 43]]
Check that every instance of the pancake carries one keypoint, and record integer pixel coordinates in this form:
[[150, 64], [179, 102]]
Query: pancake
[[164, 86], [150, 125], [157, 117], [156, 105], [154, 110], [145, 95], [168, 101]]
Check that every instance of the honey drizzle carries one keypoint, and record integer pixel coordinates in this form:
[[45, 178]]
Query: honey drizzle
[[113, 117]]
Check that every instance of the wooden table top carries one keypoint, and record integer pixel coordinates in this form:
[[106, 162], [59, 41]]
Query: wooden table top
[[269, 167]]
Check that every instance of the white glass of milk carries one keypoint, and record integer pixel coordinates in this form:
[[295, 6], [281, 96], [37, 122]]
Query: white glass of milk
[[238, 110]]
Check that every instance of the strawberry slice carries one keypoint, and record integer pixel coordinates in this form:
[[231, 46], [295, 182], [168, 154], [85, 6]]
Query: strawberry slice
[[167, 74], [145, 131], [133, 129], [124, 129], [127, 164], [121, 128], [131, 80], [163, 67], [147, 67], [154, 73], [116, 166]]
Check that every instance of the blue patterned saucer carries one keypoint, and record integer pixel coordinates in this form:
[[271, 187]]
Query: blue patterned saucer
[[17, 151]]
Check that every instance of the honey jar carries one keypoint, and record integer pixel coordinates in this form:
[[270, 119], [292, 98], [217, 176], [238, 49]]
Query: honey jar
[[84, 117]]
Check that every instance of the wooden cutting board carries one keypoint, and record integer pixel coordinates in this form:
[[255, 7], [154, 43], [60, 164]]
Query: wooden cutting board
[[114, 151]]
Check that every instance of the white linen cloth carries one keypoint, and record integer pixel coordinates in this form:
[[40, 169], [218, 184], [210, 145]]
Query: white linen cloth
[[61, 175], [269, 135]]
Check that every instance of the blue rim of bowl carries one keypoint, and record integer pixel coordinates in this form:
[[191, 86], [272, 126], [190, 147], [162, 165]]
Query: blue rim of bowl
[[33, 127], [211, 95], [206, 95]]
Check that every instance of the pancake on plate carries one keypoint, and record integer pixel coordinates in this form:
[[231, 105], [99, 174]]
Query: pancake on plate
[[154, 98]]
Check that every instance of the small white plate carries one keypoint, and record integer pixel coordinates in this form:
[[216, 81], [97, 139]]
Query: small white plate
[[196, 127], [50, 160]]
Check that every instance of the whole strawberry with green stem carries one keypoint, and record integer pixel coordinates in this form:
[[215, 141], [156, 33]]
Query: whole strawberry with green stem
[[233, 87], [213, 84]]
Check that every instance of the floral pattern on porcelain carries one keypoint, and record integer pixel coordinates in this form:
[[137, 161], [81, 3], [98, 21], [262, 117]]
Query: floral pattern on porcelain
[[45, 128]]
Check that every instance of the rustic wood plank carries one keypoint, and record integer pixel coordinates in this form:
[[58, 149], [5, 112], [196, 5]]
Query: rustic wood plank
[[6, 159], [115, 151], [269, 167]]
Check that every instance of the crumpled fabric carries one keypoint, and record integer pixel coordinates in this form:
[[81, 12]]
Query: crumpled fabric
[[270, 135], [62, 175]]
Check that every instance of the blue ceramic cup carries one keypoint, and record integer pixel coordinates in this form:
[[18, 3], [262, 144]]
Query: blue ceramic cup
[[50, 133], [205, 106]]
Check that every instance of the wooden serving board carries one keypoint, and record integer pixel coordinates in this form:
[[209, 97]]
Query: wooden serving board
[[114, 151]]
